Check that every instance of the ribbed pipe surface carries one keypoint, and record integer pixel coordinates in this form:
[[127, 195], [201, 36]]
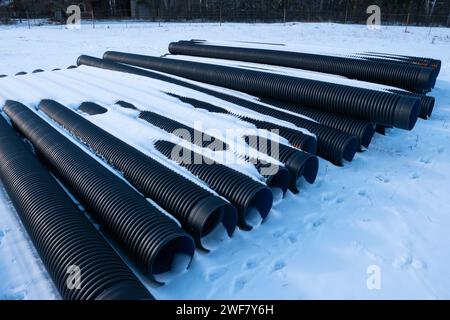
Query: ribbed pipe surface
[[422, 61], [277, 178], [426, 102], [188, 133], [148, 236], [333, 145], [406, 76], [365, 104], [300, 164], [361, 129], [198, 210], [109, 65], [245, 193], [347, 143], [62, 235]]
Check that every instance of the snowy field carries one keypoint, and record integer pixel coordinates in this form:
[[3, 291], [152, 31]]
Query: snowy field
[[387, 210]]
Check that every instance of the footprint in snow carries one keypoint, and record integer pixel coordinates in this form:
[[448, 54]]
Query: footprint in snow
[[252, 263], [278, 265], [425, 160], [313, 225], [292, 238], [415, 176], [331, 197], [239, 284], [20, 295], [339, 200], [2, 235], [382, 178], [362, 193], [327, 197], [216, 274], [406, 261], [277, 234]]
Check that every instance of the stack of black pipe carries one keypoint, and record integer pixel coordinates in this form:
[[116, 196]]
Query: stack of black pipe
[[370, 105], [276, 177], [401, 59], [64, 237], [342, 118], [244, 192], [326, 134], [297, 138], [426, 102], [395, 70], [333, 145], [148, 236], [302, 165], [354, 127], [413, 77], [198, 210], [382, 108]]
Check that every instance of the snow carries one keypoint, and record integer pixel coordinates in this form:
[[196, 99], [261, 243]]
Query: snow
[[387, 210], [22, 274]]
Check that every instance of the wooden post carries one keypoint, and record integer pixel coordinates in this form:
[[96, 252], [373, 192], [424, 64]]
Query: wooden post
[[431, 25], [346, 11], [407, 23], [159, 20], [28, 19]]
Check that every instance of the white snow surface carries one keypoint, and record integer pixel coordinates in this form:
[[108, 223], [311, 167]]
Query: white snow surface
[[388, 208]]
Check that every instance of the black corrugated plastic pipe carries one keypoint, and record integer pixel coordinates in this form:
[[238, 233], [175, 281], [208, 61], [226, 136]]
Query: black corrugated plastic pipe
[[370, 105], [309, 145], [277, 178], [405, 62], [183, 48], [422, 61], [361, 129], [400, 62], [198, 138], [297, 138], [61, 233], [109, 65], [336, 139], [333, 145], [244, 192], [300, 164], [426, 102], [147, 235], [406, 76], [198, 210]]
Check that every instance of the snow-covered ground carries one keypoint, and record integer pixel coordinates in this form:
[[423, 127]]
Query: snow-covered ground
[[386, 211]]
